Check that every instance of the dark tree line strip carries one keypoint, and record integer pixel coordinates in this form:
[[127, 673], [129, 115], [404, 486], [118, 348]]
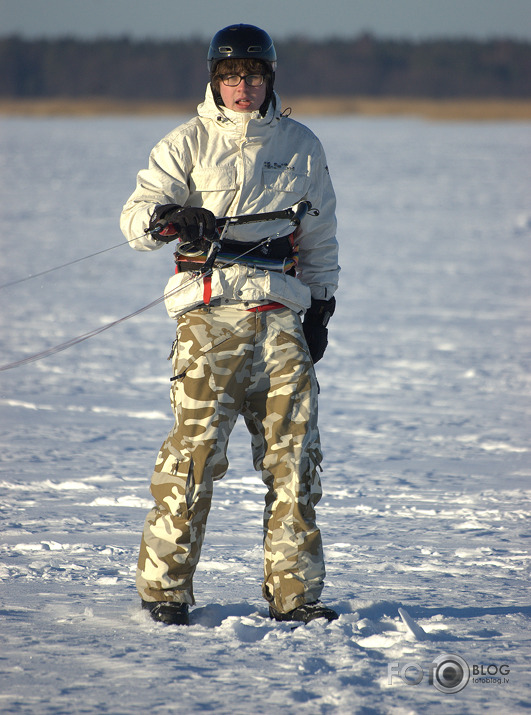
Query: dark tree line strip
[[364, 66]]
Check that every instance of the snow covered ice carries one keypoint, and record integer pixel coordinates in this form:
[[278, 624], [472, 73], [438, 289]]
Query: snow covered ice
[[424, 414]]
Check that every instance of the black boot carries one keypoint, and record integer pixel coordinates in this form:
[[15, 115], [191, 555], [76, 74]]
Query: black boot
[[173, 614], [305, 613]]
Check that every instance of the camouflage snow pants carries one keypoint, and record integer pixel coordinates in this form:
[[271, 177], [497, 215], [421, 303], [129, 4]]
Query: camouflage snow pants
[[230, 362]]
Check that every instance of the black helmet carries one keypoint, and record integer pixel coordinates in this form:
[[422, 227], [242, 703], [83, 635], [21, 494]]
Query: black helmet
[[241, 42]]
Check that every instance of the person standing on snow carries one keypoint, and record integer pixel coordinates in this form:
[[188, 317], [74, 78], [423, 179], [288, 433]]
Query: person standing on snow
[[242, 345]]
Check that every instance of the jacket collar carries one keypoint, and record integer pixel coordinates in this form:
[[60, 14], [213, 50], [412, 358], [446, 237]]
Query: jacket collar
[[248, 123]]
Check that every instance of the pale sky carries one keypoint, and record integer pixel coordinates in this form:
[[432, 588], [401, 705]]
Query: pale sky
[[172, 19]]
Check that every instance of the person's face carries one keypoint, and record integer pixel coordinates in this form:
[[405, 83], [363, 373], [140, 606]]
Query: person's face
[[243, 98]]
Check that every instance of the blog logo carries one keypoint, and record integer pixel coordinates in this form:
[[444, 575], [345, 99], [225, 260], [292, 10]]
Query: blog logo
[[449, 673]]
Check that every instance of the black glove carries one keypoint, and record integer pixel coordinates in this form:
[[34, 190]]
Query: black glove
[[314, 325], [190, 224]]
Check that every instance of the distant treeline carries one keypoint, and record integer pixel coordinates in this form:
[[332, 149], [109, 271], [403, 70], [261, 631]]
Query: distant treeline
[[176, 70]]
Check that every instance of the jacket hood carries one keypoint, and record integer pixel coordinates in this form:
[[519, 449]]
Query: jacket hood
[[230, 119]]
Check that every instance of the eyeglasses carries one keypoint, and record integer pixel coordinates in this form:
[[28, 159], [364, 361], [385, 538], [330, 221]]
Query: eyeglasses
[[251, 80]]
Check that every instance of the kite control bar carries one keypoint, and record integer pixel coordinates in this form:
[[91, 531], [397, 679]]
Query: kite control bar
[[192, 249], [294, 213]]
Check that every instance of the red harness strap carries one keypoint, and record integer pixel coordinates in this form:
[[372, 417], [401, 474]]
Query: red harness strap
[[207, 289], [267, 306]]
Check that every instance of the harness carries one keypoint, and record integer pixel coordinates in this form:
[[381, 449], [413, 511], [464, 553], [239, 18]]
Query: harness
[[278, 254], [270, 254]]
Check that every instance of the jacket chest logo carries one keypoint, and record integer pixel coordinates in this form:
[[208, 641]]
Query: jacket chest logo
[[279, 167]]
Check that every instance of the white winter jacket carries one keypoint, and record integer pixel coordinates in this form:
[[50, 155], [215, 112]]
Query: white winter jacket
[[236, 163]]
